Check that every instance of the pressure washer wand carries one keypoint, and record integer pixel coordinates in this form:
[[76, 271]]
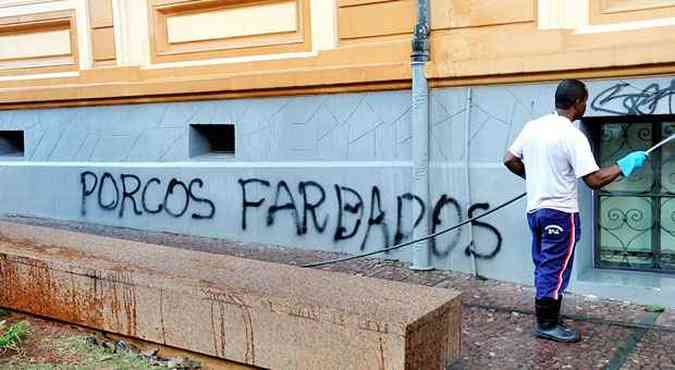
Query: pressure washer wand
[[664, 141]]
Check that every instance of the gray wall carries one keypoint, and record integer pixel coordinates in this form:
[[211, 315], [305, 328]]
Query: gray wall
[[360, 143]]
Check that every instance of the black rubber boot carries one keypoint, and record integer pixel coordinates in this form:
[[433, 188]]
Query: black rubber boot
[[549, 325], [561, 323]]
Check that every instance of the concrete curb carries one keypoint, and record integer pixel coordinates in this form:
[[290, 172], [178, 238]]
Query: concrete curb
[[257, 313]]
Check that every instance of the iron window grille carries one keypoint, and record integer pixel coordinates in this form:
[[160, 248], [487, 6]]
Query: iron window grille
[[635, 216]]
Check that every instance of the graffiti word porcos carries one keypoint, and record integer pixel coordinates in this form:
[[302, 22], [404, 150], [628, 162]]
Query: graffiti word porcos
[[115, 194]]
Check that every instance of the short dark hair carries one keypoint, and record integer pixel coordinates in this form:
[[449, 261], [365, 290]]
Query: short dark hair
[[568, 92]]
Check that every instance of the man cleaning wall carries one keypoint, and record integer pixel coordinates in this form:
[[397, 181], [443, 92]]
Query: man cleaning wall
[[551, 154]]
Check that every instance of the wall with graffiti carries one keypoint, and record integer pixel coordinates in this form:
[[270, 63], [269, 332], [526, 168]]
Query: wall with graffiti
[[326, 172]]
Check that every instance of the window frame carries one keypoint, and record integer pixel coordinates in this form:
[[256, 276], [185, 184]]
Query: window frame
[[592, 126]]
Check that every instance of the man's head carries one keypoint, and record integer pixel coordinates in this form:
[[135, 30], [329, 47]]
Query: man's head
[[571, 97]]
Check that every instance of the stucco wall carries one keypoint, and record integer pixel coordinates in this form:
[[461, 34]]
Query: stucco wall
[[352, 148]]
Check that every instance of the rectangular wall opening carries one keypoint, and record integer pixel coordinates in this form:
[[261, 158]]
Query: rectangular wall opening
[[635, 216], [11, 143], [212, 141]]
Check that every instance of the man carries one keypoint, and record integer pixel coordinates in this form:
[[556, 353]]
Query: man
[[551, 154]]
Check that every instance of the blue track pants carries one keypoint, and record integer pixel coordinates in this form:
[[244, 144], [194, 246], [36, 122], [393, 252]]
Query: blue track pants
[[554, 236]]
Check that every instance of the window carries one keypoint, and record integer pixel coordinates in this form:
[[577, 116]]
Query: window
[[213, 141], [635, 217], [11, 143]]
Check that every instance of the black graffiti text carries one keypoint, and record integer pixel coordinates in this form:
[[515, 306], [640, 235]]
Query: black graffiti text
[[643, 101], [470, 249], [129, 193], [353, 213]]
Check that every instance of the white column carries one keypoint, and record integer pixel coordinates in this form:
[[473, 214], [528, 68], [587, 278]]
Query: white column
[[83, 33], [132, 32], [562, 14], [323, 15]]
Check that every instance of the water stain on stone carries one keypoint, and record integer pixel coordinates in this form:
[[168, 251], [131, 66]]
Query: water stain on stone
[[29, 285], [222, 298], [218, 327], [50, 249], [161, 315], [382, 367], [123, 302], [81, 297], [247, 320]]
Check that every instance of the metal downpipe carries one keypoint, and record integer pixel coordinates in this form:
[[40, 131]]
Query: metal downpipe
[[467, 175], [420, 131]]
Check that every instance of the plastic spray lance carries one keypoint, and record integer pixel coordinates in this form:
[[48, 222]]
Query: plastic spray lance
[[662, 142]]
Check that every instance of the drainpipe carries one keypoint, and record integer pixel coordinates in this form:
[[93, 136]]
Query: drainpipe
[[420, 131], [467, 173]]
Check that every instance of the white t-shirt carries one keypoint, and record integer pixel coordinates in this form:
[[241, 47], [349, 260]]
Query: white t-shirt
[[556, 154]]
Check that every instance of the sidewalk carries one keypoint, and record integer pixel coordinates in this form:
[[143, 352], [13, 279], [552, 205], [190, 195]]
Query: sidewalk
[[498, 316]]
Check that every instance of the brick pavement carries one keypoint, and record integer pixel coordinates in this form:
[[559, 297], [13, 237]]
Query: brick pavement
[[498, 315]]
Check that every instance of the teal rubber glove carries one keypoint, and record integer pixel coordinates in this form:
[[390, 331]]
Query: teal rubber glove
[[632, 162]]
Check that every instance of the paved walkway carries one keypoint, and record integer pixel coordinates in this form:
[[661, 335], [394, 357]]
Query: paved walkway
[[498, 316]]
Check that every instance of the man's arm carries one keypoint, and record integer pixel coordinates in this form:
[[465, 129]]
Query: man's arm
[[602, 177], [624, 166], [514, 164]]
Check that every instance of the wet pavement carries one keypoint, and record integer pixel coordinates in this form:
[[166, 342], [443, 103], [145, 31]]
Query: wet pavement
[[498, 317]]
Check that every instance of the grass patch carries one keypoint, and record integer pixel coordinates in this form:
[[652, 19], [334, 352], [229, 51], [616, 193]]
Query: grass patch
[[83, 355], [11, 336], [93, 354]]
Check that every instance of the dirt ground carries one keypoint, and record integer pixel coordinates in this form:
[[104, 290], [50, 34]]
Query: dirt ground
[[53, 345]]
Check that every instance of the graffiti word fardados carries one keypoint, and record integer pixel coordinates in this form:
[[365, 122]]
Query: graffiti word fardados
[[313, 195], [353, 212], [116, 193]]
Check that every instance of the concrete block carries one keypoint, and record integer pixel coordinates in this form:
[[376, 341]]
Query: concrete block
[[256, 313]]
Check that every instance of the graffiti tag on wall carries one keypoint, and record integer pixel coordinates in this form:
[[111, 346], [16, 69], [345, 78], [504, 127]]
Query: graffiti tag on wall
[[624, 98], [353, 215], [129, 190]]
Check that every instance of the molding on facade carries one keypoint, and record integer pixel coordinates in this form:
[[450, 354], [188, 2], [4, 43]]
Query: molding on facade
[[18, 3], [467, 42], [59, 27], [171, 42], [619, 11], [41, 95]]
